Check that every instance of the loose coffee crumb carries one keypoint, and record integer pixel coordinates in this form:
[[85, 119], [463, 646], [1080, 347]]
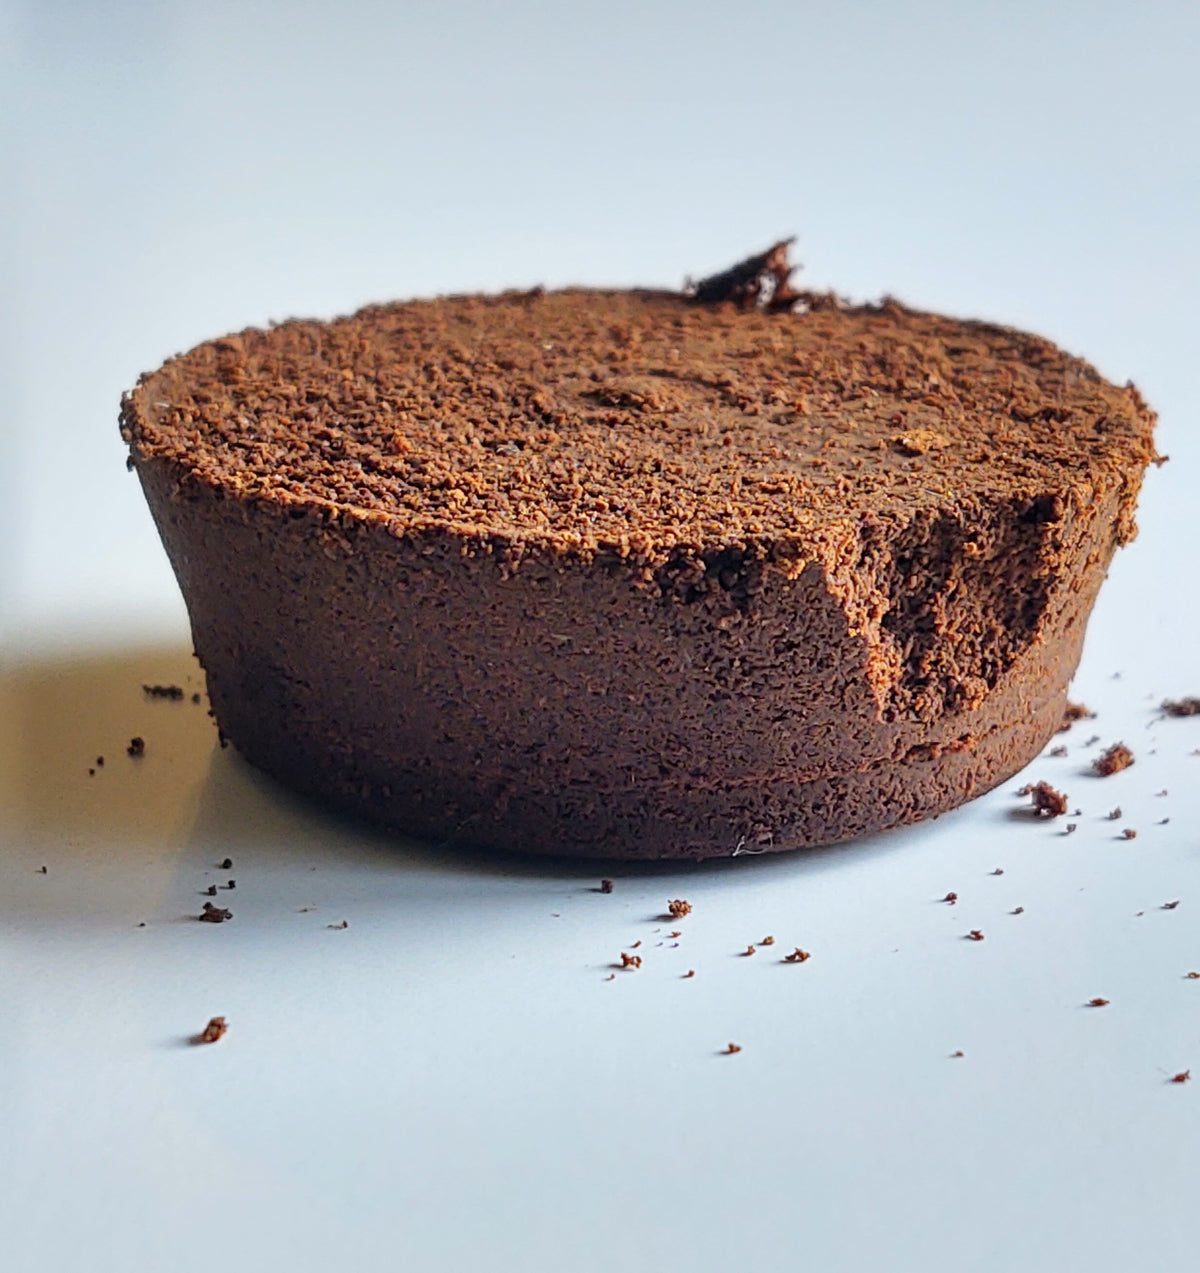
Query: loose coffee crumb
[[767, 941], [950, 898], [1182, 1077], [42, 871], [955, 1055], [215, 1030], [606, 886], [1182, 706], [797, 956], [1047, 803], [677, 908], [1170, 906], [998, 871], [91, 773], [676, 934], [1072, 713], [1071, 827], [345, 923], [691, 972], [214, 914], [231, 884], [99, 762], [974, 935], [195, 698], [225, 864], [630, 961], [1097, 1003], [1058, 751], [1113, 814], [1193, 976], [635, 945], [172, 692], [136, 748], [748, 951], [612, 976], [733, 1048], [759, 282], [1112, 761], [1091, 742], [1017, 910], [1129, 834], [211, 891]]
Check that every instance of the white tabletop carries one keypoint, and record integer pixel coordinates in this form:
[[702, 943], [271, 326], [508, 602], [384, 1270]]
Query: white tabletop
[[455, 1080]]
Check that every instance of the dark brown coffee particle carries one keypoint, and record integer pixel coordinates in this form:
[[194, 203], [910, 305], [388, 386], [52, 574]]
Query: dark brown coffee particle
[[1112, 761], [1017, 910], [691, 972], [950, 898], [1182, 1077], [1113, 814], [606, 886], [1182, 707], [678, 908], [172, 692], [732, 1048], [1047, 803], [215, 1030], [214, 914], [136, 748], [1170, 906], [975, 935], [797, 956], [1097, 1003], [226, 864], [630, 961], [1074, 712], [1129, 834], [341, 924]]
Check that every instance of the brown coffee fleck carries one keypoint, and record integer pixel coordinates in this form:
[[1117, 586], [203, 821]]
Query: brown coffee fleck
[[1182, 1077], [748, 951], [1129, 834], [1112, 761], [998, 871], [1113, 814], [137, 747], [635, 945], [675, 934], [195, 698], [1047, 803], [215, 1030], [172, 692], [612, 976], [797, 956], [950, 898], [691, 972], [767, 941], [1017, 910], [1170, 906], [606, 886], [211, 891], [1182, 706], [226, 864], [732, 1048], [1193, 976], [758, 282], [630, 961], [974, 935], [1072, 713], [1097, 1002], [677, 908], [99, 762], [214, 914], [1058, 751], [955, 1055], [1072, 827], [341, 924]]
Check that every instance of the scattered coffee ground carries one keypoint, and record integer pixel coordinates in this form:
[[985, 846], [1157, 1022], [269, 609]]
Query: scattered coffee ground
[[1182, 1077], [1163, 792], [748, 951], [195, 698], [212, 1032], [345, 923], [974, 935], [691, 972], [1193, 976], [1097, 1003], [678, 908], [675, 934], [998, 871], [225, 865], [214, 914], [635, 945], [1113, 814], [1074, 712], [91, 773], [767, 941], [1112, 761], [137, 747], [172, 692], [606, 886], [1091, 742], [1047, 803], [99, 762], [1129, 834], [630, 961], [1071, 828], [1058, 751], [797, 956], [1017, 910], [950, 898], [732, 1048], [612, 976], [42, 871], [759, 282], [1170, 906], [955, 1055], [211, 891], [231, 884], [1182, 707]]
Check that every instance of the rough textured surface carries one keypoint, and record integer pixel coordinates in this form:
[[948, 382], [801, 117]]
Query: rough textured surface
[[621, 574]]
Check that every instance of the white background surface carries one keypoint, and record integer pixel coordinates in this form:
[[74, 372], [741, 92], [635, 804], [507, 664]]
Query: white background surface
[[451, 1083]]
